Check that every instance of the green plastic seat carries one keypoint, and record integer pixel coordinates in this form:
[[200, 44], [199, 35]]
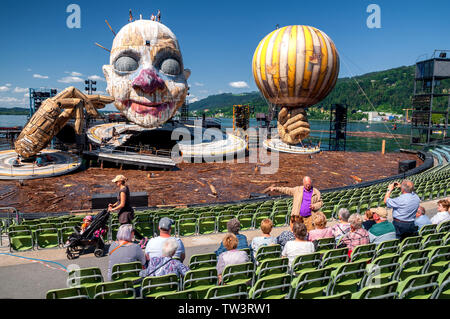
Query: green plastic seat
[[187, 226], [144, 224], [381, 270], [238, 274], [245, 217], [47, 236], [411, 263], [427, 229], [324, 244], [363, 252], [418, 286], [234, 291], [271, 267], [127, 271], [206, 224], [275, 287], [410, 243], [431, 240], [68, 293], [388, 247], [85, 277], [201, 261], [438, 259], [267, 252], [342, 295], [334, 257], [347, 277], [178, 295], [443, 227], [306, 262], [311, 283], [383, 291], [20, 238], [151, 286], [443, 291], [200, 281], [122, 289]]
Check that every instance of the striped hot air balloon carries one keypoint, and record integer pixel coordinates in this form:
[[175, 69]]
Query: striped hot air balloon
[[296, 66]]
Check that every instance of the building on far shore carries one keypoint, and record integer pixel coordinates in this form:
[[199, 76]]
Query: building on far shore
[[382, 117]]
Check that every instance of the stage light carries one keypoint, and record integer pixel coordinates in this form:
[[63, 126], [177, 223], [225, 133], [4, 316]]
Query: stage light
[[443, 55]]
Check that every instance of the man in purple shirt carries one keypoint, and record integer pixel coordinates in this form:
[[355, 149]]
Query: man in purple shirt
[[306, 200]]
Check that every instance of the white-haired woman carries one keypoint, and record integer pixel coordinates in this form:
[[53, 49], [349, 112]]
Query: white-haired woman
[[357, 235], [124, 250], [165, 265], [343, 226]]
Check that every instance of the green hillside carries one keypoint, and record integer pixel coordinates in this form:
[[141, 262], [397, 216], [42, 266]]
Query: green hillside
[[389, 91]]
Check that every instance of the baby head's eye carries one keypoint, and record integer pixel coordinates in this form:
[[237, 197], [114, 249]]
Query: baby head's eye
[[126, 64]]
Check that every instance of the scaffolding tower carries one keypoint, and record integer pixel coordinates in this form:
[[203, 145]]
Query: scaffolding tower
[[37, 96], [431, 100], [338, 127], [184, 113]]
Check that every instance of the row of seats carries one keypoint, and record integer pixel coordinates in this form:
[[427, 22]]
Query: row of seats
[[418, 267]]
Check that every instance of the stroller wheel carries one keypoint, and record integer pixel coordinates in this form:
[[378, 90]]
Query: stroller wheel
[[70, 256], [98, 253]]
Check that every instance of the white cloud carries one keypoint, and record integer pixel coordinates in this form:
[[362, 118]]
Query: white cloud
[[193, 100], [20, 90], [198, 84], [4, 88], [8, 84], [203, 91], [29, 70], [96, 78], [71, 79], [38, 76], [9, 100], [239, 84], [74, 73]]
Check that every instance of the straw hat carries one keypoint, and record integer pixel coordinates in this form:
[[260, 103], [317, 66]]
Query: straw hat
[[119, 178]]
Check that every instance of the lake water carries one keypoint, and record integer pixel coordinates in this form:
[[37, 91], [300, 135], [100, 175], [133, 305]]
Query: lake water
[[354, 143]]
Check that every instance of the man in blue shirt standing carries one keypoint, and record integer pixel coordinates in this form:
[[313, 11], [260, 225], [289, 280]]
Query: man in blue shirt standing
[[404, 209]]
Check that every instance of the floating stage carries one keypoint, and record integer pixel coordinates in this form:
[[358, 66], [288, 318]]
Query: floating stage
[[62, 163], [197, 143], [276, 145]]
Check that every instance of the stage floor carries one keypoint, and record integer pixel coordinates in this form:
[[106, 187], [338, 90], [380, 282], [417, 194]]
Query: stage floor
[[189, 184]]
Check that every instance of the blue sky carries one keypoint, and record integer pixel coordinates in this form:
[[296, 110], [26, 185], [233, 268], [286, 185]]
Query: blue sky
[[217, 38]]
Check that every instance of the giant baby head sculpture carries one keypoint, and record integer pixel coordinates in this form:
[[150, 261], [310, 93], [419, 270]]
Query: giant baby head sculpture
[[146, 74]]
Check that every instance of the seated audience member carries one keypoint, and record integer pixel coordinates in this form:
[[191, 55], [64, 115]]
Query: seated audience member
[[265, 239], [421, 218], [17, 162], [166, 265], [288, 235], [154, 245], [320, 230], [342, 227], [357, 235], [233, 227], [382, 230], [232, 256], [299, 246], [124, 250], [442, 215], [368, 222]]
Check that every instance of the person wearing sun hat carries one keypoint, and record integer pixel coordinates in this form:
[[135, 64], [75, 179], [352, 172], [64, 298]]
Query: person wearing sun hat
[[123, 206], [383, 230]]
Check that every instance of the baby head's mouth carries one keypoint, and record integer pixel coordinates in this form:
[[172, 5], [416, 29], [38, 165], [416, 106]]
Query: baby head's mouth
[[144, 108]]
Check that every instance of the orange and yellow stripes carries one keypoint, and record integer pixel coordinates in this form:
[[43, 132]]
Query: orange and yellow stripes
[[296, 66]]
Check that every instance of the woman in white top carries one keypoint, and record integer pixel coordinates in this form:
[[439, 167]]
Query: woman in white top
[[442, 214], [299, 246], [265, 239]]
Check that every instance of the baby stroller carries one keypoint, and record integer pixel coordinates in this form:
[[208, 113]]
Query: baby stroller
[[92, 236]]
